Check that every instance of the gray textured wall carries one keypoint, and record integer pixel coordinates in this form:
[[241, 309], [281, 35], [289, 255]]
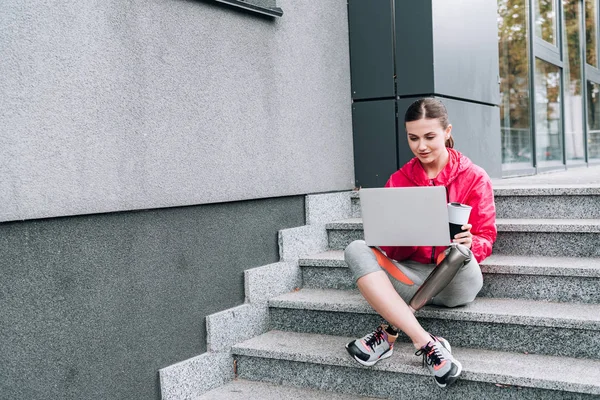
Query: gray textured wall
[[116, 105], [91, 307]]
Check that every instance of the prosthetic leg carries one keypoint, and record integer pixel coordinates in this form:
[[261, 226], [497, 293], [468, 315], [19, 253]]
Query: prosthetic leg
[[441, 276]]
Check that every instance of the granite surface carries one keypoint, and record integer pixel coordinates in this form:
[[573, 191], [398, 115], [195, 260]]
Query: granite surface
[[547, 244], [323, 208], [331, 258], [499, 264], [495, 310], [502, 324], [356, 211], [501, 336], [240, 389], [534, 287], [561, 279], [548, 207], [190, 378], [571, 282], [263, 283], [540, 265], [398, 386], [327, 278], [549, 225], [584, 176], [348, 223], [225, 328], [541, 287], [301, 241], [547, 190], [319, 352], [338, 239]]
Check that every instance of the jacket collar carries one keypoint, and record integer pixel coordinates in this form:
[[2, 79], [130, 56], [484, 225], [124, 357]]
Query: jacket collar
[[457, 163]]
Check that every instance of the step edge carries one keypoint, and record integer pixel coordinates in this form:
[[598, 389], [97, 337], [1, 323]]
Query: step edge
[[432, 312], [288, 354]]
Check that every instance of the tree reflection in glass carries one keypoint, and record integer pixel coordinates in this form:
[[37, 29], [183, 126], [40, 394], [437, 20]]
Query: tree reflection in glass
[[547, 114], [593, 100], [590, 32], [514, 84], [545, 20]]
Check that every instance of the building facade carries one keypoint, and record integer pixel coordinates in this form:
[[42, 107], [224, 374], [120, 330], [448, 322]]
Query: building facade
[[549, 84], [150, 151]]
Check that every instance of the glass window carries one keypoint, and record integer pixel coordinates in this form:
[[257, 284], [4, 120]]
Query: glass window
[[514, 85], [545, 20], [590, 32], [547, 114], [574, 139], [593, 101]]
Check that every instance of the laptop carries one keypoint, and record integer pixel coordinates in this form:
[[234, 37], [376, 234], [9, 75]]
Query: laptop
[[407, 216]]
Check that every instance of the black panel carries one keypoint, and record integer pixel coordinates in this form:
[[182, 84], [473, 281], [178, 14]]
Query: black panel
[[404, 151], [414, 47], [371, 55], [93, 306], [374, 127]]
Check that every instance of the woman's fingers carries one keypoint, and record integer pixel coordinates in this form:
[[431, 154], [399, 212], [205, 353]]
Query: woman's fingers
[[464, 238]]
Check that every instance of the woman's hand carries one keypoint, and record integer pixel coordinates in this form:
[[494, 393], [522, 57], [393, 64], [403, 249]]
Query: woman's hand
[[465, 238]]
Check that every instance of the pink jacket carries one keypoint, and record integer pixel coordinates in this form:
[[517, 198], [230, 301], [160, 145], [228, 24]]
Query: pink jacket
[[465, 183]]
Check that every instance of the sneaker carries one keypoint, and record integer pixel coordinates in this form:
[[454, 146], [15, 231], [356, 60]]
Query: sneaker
[[373, 347], [438, 358], [443, 341]]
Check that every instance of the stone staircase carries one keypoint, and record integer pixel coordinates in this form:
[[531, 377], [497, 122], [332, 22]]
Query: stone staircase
[[532, 333]]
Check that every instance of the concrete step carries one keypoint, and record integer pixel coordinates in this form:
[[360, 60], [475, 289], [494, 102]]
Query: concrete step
[[517, 237], [546, 202], [561, 329], [320, 361], [560, 279], [549, 202], [241, 389], [548, 237]]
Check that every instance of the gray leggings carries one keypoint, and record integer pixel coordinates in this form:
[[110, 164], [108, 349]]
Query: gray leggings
[[461, 290]]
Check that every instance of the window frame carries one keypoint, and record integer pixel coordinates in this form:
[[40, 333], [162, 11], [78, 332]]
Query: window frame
[[540, 49]]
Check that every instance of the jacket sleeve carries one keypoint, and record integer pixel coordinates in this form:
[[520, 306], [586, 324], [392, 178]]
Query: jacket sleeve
[[398, 253], [483, 217]]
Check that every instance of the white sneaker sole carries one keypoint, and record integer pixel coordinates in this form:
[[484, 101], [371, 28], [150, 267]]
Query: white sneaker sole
[[371, 363], [451, 379]]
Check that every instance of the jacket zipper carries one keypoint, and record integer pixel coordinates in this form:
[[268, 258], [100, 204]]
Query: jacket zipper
[[433, 248]]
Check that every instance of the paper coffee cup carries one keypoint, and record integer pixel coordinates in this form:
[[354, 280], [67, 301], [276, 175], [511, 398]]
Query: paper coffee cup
[[458, 215]]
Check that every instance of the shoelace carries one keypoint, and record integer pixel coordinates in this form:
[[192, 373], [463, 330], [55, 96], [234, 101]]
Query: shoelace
[[431, 355], [375, 338]]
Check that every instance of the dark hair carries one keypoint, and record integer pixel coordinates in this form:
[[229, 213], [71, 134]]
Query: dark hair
[[429, 108]]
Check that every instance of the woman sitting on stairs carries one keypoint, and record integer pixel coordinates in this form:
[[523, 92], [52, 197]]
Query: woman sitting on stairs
[[397, 281]]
